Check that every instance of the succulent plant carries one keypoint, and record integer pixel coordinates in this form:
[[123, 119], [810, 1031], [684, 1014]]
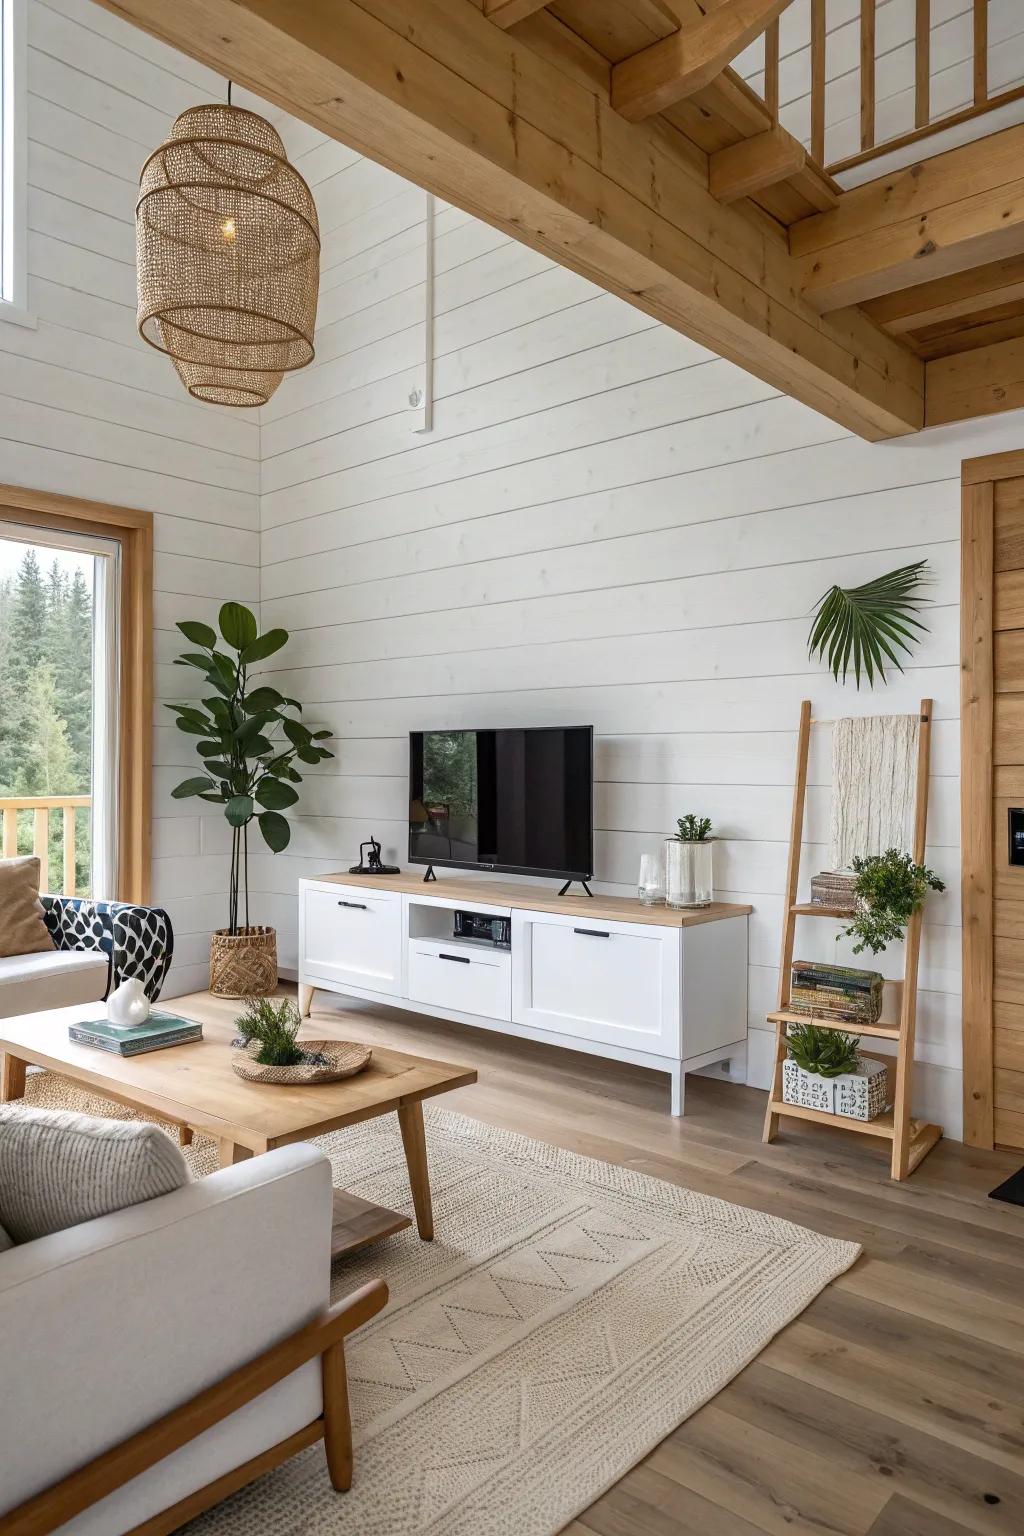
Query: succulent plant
[[827, 1052], [693, 829]]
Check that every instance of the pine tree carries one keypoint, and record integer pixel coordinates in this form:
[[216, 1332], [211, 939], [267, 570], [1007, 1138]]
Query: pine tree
[[48, 766], [72, 658], [26, 632]]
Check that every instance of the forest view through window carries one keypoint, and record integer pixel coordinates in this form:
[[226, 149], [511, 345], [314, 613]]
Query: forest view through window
[[48, 708]]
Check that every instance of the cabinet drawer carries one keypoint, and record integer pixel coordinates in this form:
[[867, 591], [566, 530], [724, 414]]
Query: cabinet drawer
[[352, 936], [452, 976], [616, 983]]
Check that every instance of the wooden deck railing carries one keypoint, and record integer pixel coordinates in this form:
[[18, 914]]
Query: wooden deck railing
[[40, 806], [872, 142]]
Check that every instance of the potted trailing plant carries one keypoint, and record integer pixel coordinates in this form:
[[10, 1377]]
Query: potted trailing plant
[[824, 1070], [889, 889], [249, 740], [688, 874]]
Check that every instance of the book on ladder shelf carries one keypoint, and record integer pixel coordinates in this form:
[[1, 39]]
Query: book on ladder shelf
[[910, 1140]]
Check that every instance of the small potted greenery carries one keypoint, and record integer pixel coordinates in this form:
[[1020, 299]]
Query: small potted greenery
[[889, 889], [824, 1070], [688, 868], [267, 1048]]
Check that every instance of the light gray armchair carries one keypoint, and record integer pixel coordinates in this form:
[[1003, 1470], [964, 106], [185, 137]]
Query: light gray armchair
[[159, 1358]]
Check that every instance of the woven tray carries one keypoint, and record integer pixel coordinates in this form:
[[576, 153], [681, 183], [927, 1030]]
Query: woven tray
[[325, 1061]]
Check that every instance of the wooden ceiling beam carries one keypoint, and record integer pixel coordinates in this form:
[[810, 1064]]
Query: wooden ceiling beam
[[675, 67], [754, 164], [438, 94], [942, 217], [976, 231], [950, 298], [980, 383], [506, 13]]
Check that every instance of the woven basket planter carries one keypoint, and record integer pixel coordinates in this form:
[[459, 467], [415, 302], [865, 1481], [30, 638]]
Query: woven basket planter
[[243, 964], [325, 1061]]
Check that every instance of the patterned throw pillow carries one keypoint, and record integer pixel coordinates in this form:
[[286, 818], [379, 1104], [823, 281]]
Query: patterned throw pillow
[[58, 1169], [22, 929]]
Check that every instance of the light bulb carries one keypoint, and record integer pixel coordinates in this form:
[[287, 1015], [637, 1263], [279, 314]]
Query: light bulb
[[227, 229]]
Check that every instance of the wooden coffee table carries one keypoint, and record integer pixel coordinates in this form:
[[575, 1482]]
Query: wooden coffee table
[[194, 1087]]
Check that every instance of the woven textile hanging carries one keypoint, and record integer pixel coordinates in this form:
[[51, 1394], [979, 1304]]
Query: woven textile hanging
[[874, 765], [228, 248]]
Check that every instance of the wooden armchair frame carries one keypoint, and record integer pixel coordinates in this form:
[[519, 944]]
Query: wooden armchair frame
[[325, 1336]]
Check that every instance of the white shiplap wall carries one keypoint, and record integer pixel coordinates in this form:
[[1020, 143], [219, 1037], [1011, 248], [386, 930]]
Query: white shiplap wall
[[607, 525], [86, 409]]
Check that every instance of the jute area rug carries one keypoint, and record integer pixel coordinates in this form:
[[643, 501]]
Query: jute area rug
[[568, 1315]]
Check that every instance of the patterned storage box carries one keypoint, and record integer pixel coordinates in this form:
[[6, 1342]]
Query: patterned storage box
[[860, 1095]]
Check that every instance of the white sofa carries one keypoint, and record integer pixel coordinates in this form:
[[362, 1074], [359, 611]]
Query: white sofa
[[51, 978], [112, 1324]]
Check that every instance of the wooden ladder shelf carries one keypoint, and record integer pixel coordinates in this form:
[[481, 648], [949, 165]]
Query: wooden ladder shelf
[[911, 1139]]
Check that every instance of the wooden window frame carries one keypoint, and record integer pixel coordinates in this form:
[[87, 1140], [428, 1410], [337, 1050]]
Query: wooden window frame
[[133, 531]]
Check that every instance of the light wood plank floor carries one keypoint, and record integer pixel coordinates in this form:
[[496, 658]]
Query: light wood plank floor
[[894, 1406]]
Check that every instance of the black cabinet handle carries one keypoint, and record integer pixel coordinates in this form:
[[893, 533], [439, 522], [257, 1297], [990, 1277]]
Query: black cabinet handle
[[593, 933], [458, 959], [360, 906]]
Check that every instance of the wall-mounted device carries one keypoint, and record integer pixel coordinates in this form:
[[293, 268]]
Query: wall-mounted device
[[1016, 834], [477, 925]]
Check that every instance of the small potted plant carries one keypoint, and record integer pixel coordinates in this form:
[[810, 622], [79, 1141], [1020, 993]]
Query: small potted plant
[[249, 739], [825, 1071], [688, 870], [889, 889], [268, 1029], [267, 1048]]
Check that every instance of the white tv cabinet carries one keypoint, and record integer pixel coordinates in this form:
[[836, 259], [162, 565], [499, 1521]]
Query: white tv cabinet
[[659, 988]]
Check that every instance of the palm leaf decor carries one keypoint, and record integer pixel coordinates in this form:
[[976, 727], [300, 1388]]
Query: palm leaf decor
[[866, 626]]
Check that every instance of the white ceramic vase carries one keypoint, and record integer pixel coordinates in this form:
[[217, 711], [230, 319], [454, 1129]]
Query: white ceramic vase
[[688, 875], [128, 1005]]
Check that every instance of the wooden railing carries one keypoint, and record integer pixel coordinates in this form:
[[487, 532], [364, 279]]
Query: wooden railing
[[40, 807], [872, 142]]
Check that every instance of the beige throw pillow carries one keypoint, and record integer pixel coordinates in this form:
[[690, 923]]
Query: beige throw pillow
[[22, 928], [58, 1168]]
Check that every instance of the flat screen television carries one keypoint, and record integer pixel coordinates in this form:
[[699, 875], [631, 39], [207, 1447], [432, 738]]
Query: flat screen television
[[517, 801]]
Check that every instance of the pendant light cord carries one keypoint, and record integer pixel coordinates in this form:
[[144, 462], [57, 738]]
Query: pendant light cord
[[229, 93]]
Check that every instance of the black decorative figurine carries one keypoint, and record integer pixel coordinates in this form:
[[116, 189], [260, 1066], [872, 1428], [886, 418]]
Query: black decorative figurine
[[370, 864]]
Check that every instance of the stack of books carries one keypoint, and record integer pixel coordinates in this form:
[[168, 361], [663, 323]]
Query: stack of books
[[832, 888], [159, 1031], [841, 993]]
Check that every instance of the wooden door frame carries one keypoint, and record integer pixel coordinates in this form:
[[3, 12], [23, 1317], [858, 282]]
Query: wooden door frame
[[133, 531], [977, 769]]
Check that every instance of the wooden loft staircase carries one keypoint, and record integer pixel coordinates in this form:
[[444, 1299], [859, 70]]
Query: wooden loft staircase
[[669, 57]]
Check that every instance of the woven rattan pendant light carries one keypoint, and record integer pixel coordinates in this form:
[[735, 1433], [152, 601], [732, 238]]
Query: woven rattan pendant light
[[228, 249]]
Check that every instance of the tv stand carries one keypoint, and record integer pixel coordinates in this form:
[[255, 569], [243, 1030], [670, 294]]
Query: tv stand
[[429, 875], [584, 884], [652, 986]]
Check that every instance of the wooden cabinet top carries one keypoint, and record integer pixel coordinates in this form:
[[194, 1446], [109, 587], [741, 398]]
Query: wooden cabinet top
[[538, 898]]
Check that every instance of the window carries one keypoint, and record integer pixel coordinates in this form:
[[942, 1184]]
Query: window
[[13, 153], [58, 704], [76, 730]]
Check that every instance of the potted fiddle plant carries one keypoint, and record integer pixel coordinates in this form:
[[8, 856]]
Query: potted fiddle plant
[[249, 740]]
